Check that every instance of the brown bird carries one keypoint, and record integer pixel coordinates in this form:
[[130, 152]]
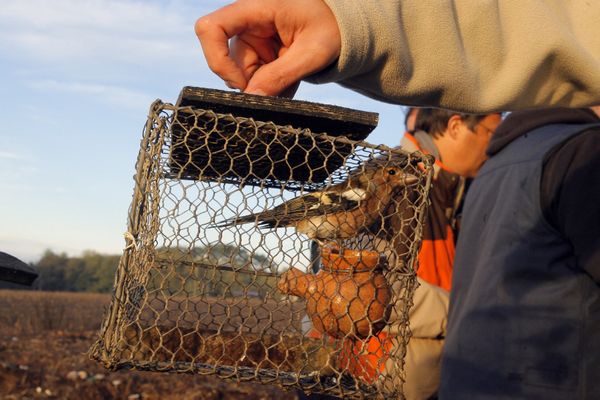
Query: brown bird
[[340, 211]]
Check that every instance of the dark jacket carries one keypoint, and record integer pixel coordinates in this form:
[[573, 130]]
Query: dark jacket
[[525, 305]]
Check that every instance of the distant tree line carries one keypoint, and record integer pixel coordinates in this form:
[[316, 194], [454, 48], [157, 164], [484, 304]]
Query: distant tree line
[[90, 272], [193, 272], [178, 271]]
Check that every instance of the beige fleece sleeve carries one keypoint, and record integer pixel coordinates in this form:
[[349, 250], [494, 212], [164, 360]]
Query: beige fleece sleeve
[[470, 55]]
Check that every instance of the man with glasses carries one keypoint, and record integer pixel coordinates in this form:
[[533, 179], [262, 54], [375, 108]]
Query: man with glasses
[[458, 142]]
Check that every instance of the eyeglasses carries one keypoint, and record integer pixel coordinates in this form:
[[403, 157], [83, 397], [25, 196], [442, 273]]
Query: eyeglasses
[[487, 130]]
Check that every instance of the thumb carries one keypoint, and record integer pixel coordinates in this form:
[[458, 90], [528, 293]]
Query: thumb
[[272, 79], [290, 68]]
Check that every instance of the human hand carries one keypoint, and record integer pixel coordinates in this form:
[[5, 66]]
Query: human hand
[[274, 43]]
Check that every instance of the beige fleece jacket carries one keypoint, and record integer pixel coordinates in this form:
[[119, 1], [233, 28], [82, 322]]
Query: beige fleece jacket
[[470, 55]]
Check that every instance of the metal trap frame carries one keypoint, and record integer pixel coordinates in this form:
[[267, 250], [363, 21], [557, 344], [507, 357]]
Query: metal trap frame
[[196, 295]]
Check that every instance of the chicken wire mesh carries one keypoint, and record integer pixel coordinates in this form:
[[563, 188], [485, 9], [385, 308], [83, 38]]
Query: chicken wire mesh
[[257, 251]]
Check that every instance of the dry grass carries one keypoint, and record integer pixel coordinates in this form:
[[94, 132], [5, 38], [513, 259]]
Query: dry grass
[[44, 338], [28, 312]]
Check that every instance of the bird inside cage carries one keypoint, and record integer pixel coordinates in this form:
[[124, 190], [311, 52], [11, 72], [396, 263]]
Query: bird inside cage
[[340, 211]]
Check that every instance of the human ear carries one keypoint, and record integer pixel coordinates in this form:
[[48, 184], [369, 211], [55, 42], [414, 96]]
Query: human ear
[[454, 126]]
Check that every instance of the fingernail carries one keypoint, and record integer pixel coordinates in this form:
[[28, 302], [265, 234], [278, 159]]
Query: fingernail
[[258, 92]]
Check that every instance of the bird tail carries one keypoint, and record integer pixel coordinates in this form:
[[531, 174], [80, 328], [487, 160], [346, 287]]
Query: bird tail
[[237, 220]]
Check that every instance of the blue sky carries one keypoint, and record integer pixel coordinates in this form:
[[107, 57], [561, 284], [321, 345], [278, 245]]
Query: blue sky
[[76, 80]]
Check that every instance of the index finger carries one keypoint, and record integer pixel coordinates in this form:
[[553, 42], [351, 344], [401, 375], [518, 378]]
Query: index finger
[[214, 31]]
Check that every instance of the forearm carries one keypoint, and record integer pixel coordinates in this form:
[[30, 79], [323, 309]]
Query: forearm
[[428, 315], [469, 55]]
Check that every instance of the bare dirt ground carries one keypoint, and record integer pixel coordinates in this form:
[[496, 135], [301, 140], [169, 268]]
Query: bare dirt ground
[[44, 339]]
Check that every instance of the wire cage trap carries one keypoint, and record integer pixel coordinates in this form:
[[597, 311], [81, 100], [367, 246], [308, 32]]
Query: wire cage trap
[[267, 242]]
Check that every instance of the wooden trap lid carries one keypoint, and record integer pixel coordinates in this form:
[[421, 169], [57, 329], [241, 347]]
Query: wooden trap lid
[[249, 146], [319, 118]]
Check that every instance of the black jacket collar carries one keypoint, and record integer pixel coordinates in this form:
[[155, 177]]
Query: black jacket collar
[[519, 123]]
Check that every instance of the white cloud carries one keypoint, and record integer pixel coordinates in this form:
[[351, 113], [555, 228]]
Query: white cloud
[[94, 14], [16, 172], [96, 30], [11, 156], [114, 95], [15, 167], [17, 188], [16, 180]]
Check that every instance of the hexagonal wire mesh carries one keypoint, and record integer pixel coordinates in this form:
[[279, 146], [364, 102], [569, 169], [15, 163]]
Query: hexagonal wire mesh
[[218, 277]]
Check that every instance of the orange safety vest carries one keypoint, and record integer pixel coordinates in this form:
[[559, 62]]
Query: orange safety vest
[[436, 257]]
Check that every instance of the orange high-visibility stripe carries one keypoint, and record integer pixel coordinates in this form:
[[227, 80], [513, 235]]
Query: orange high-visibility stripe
[[436, 259], [366, 359]]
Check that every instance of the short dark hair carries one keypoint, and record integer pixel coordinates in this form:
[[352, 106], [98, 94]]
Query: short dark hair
[[434, 121]]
